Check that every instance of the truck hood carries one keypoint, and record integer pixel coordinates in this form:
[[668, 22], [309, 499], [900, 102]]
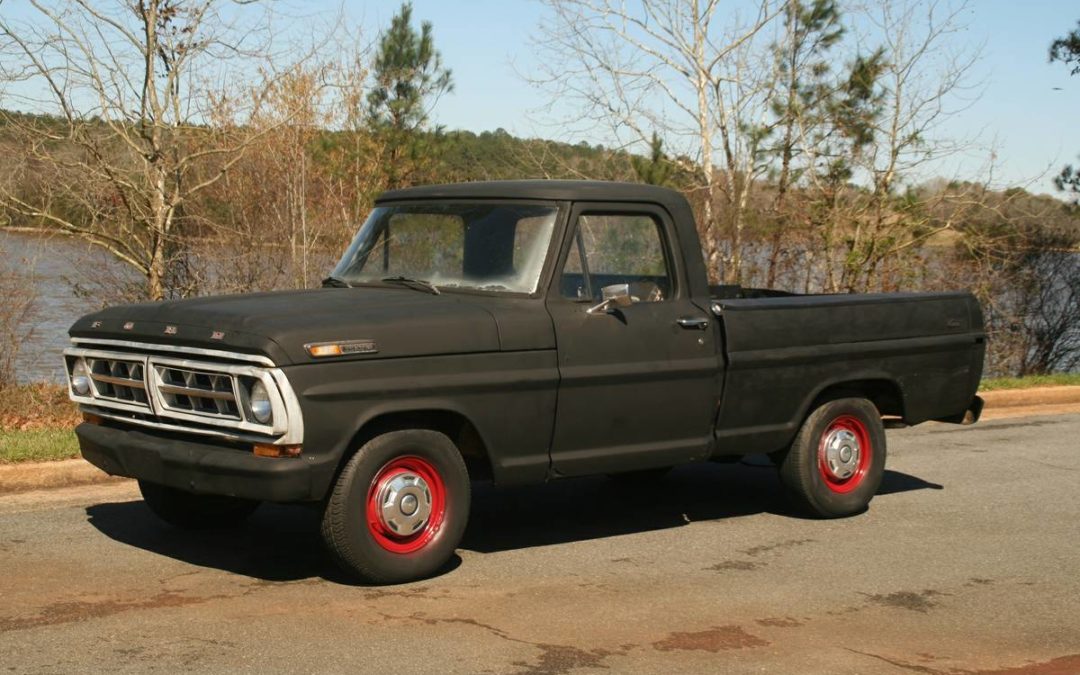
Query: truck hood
[[400, 322]]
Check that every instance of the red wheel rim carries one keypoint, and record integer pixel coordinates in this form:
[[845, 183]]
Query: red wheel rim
[[406, 504], [844, 454]]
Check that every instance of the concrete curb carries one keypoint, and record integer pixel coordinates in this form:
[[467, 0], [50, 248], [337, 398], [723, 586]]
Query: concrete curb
[[73, 472], [1011, 398], [44, 475]]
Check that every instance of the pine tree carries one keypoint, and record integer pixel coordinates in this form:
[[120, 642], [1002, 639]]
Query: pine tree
[[1067, 50], [656, 169], [409, 78]]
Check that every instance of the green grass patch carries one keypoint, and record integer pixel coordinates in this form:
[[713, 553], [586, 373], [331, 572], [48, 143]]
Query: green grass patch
[[38, 445], [1055, 380]]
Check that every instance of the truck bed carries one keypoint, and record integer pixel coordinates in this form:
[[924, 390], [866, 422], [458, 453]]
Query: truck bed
[[921, 353]]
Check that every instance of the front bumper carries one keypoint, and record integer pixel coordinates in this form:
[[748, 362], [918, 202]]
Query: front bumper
[[196, 467]]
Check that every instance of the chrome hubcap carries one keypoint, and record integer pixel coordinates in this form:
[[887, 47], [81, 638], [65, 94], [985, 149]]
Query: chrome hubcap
[[404, 503], [841, 453]]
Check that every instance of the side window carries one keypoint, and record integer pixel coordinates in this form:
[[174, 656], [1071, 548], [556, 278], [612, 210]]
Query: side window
[[618, 249]]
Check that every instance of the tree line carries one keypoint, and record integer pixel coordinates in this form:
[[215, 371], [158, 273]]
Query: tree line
[[206, 154]]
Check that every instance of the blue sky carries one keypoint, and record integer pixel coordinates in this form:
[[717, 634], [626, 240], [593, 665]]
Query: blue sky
[[1027, 114], [1032, 128]]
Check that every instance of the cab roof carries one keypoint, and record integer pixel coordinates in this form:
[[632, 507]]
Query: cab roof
[[548, 190]]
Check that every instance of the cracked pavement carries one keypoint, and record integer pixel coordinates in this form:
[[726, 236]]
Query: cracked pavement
[[968, 562]]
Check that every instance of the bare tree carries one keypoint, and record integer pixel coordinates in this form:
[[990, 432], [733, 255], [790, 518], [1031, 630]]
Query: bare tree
[[677, 68], [922, 82], [131, 84], [17, 313]]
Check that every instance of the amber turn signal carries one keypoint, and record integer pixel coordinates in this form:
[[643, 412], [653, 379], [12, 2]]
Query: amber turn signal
[[268, 450], [318, 351], [91, 418]]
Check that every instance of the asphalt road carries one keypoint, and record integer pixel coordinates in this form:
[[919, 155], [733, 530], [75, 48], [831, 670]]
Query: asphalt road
[[968, 561]]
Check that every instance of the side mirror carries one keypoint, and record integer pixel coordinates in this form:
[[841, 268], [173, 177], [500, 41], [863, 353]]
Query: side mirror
[[616, 295]]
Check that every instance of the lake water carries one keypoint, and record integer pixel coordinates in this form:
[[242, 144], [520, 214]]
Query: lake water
[[56, 266]]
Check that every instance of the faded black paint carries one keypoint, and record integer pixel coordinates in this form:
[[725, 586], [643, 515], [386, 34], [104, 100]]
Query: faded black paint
[[549, 389]]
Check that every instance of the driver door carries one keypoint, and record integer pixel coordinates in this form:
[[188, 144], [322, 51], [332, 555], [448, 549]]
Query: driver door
[[638, 383]]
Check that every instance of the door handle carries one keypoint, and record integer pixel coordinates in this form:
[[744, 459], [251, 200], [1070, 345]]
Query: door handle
[[693, 322]]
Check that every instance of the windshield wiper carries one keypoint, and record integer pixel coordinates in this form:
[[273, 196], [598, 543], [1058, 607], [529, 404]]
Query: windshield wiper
[[335, 282], [415, 284]]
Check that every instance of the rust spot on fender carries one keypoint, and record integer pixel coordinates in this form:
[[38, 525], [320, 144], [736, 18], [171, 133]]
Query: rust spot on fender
[[717, 639]]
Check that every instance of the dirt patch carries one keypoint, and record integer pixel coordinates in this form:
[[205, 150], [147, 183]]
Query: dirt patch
[[553, 660], [921, 601], [741, 565], [779, 622], [83, 610], [768, 548], [562, 659], [1063, 665], [721, 638]]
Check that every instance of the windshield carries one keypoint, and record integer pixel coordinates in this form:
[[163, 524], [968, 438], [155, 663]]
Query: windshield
[[481, 245]]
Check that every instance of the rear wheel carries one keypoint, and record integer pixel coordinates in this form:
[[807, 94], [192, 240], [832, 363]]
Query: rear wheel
[[190, 511], [835, 465], [399, 508]]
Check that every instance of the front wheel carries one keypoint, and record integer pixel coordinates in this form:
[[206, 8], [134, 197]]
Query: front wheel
[[190, 511], [835, 465], [399, 507]]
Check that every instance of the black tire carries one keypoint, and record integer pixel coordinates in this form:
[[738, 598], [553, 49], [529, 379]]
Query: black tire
[[816, 489], [364, 546], [190, 511]]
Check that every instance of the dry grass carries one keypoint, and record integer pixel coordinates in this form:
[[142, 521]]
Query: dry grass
[[36, 407]]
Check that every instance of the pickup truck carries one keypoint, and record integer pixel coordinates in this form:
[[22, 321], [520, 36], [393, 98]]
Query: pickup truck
[[517, 332]]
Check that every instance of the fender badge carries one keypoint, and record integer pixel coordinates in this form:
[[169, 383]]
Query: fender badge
[[129, 325], [170, 330], [96, 324], [217, 335]]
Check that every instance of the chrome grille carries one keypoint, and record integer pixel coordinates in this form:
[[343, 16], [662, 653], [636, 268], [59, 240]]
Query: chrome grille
[[197, 391], [159, 387], [119, 380]]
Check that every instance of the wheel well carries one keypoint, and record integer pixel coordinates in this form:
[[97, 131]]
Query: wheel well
[[454, 425], [885, 394]]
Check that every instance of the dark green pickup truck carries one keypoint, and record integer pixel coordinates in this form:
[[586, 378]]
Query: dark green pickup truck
[[518, 332]]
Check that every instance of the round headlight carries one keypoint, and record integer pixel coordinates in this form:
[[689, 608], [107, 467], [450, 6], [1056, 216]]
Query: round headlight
[[80, 379], [259, 401]]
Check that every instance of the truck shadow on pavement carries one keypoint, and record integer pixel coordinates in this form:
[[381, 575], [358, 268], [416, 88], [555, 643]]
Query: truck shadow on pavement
[[282, 543]]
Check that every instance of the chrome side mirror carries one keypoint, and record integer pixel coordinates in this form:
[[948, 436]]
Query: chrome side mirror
[[614, 296]]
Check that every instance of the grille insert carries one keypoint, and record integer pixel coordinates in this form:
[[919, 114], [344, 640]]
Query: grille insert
[[197, 391], [119, 380]]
